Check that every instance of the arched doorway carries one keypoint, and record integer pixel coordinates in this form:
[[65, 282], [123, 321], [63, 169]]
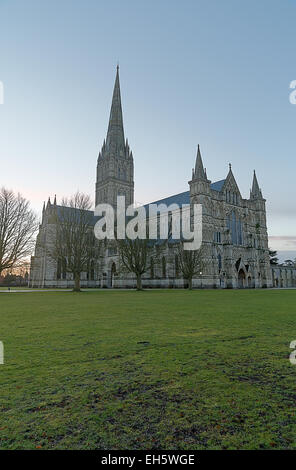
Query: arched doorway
[[241, 279], [249, 282]]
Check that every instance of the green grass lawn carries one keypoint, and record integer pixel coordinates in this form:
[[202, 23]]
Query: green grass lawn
[[148, 370]]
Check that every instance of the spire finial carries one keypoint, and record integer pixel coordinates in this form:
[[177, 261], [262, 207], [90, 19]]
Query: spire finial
[[199, 168], [255, 192], [115, 135], [229, 166]]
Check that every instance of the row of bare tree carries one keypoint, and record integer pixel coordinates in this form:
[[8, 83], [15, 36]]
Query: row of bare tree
[[73, 241], [134, 255]]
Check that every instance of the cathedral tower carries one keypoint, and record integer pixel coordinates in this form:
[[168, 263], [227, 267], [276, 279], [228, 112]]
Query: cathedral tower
[[115, 166]]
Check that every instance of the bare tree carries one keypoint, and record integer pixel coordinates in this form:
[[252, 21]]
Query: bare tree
[[133, 256], [190, 262], [74, 245], [18, 224]]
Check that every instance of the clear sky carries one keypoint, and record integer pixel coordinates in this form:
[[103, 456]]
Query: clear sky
[[211, 72]]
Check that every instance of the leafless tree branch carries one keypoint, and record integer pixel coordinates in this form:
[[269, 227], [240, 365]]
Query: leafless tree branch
[[18, 224], [75, 244], [190, 262]]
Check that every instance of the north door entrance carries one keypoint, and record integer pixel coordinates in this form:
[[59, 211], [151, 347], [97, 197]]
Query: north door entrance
[[241, 279]]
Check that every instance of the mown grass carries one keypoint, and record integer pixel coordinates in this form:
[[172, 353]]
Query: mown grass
[[148, 370]]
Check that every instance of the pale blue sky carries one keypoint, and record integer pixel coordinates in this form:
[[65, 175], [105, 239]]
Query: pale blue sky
[[194, 71]]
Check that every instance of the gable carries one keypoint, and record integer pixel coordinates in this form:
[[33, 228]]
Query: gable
[[231, 185]]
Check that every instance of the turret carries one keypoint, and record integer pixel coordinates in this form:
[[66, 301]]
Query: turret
[[258, 203], [199, 183], [255, 192]]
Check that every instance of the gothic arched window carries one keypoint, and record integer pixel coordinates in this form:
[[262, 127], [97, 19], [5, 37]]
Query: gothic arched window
[[235, 226], [152, 268], [219, 262], [177, 266], [59, 269], [239, 233], [163, 267], [64, 268]]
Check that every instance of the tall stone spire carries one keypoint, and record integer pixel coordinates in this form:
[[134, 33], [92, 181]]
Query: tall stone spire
[[199, 172], [115, 166], [115, 136], [255, 191]]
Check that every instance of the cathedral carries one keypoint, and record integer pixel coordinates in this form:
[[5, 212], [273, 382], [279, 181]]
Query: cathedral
[[234, 235]]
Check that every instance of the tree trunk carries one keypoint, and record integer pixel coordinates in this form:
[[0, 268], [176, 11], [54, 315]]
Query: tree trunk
[[77, 282], [139, 282], [190, 283]]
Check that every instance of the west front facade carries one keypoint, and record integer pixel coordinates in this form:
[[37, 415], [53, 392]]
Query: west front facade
[[234, 235]]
